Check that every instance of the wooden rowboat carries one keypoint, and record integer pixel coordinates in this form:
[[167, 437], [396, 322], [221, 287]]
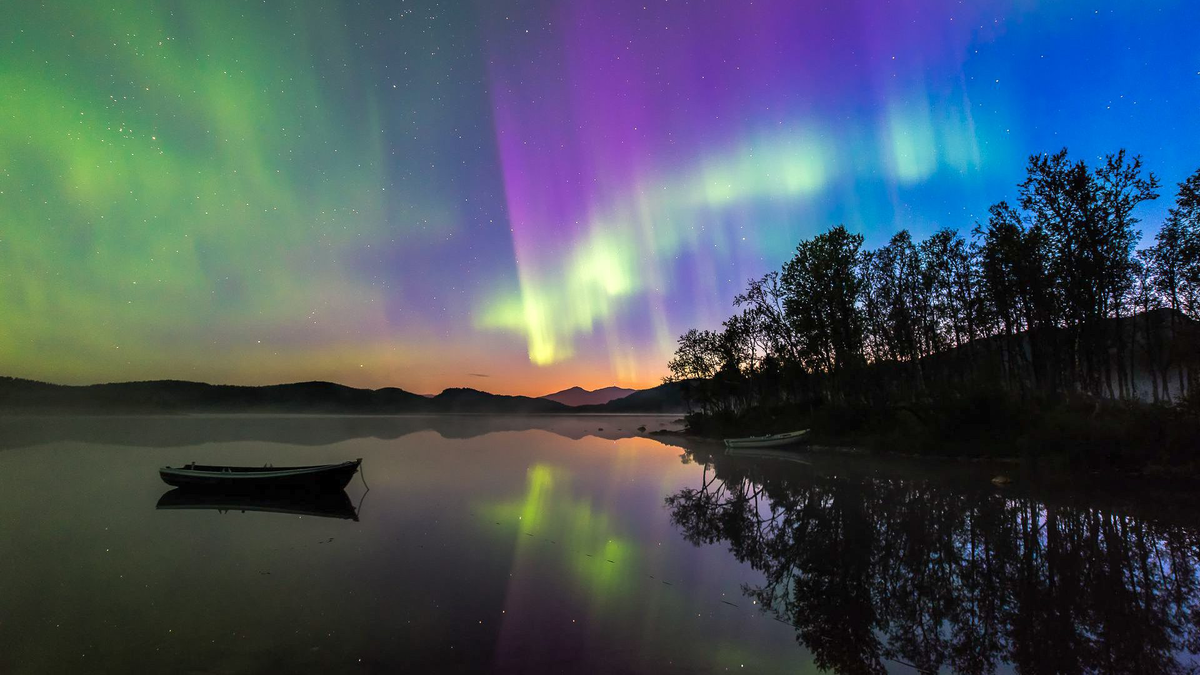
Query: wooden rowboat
[[287, 478], [775, 441]]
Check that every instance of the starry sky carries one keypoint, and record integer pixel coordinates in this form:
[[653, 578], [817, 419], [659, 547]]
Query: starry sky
[[513, 196]]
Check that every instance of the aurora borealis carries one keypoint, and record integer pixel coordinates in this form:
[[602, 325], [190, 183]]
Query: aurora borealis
[[418, 194]]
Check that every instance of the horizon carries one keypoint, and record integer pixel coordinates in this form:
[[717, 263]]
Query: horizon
[[543, 196], [281, 384]]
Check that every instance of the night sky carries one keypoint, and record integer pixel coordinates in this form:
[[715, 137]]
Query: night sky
[[513, 196]]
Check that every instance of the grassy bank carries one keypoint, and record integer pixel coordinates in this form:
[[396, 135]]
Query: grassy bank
[[1067, 433]]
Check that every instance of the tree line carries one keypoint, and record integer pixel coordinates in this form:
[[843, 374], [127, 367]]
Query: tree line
[[1047, 297]]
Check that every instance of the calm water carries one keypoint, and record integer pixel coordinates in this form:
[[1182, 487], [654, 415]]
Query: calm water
[[550, 545]]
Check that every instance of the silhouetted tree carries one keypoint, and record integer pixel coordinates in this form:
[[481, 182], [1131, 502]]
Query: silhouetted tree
[[1174, 260], [1089, 224], [822, 287]]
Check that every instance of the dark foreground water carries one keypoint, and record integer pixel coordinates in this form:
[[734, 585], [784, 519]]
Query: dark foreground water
[[550, 545]]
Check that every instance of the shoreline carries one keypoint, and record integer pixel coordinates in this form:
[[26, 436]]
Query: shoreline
[[1048, 470]]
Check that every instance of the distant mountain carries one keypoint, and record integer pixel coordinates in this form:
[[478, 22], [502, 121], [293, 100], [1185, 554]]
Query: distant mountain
[[665, 398], [579, 396]]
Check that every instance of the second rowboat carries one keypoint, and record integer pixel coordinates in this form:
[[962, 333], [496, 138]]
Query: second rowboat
[[774, 441]]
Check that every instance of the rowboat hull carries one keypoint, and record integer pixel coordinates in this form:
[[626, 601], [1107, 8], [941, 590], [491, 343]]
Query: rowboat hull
[[237, 478], [776, 441], [327, 504]]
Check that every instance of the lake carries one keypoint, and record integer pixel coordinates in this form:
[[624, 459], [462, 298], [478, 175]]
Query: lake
[[571, 544]]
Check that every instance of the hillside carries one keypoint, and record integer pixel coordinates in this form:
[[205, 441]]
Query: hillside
[[475, 401], [665, 398]]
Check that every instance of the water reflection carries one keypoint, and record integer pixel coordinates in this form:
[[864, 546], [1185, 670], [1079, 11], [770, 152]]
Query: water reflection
[[873, 571], [327, 504], [527, 551], [164, 431]]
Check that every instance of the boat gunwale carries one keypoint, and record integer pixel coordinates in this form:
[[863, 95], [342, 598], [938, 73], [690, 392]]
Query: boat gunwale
[[255, 473]]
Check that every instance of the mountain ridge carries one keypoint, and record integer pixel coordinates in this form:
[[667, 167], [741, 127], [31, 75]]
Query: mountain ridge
[[577, 396], [182, 396]]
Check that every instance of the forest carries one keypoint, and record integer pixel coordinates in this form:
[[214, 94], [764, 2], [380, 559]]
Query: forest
[[1043, 328]]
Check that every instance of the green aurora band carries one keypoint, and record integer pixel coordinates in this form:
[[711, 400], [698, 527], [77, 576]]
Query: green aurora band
[[178, 186]]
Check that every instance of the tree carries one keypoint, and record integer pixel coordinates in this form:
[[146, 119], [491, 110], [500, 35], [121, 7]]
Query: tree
[[1088, 220], [1174, 259], [1144, 300], [765, 300], [822, 287], [697, 359], [1015, 293]]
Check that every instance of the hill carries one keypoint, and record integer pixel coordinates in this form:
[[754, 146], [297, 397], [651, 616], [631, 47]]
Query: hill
[[665, 398], [475, 401], [576, 396]]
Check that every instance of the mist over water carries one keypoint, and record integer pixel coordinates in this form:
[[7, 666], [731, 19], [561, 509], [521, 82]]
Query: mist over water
[[477, 544]]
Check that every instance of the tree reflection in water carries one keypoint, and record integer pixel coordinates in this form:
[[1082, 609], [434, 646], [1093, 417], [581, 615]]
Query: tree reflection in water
[[870, 570]]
